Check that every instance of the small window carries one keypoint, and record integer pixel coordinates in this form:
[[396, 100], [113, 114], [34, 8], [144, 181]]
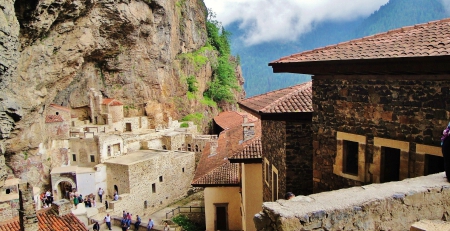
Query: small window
[[350, 157], [8, 191], [164, 147], [160, 179], [57, 113], [182, 169], [154, 188], [189, 147], [433, 164], [92, 158], [266, 171], [74, 157], [196, 148]]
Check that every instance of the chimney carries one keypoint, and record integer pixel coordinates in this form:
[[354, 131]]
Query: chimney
[[62, 207], [27, 212]]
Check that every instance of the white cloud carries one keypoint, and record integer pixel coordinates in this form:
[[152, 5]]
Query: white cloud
[[272, 20]]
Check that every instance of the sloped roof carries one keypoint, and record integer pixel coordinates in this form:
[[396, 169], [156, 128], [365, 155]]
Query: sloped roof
[[422, 40], [252, 150], [229, 142], [297, 98], [226, 174], [60, 107], [53, 119], [228, 119], [48, 220], [111, 102]]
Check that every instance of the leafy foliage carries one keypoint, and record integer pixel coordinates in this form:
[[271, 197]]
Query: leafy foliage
[[187, 224], [192, 84], [184, 125], [224, 78], [195, 117]]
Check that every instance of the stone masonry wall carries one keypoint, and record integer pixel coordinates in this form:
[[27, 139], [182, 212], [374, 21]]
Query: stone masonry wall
[[413, 109], [388, 206], [299, 172], [274, 150]]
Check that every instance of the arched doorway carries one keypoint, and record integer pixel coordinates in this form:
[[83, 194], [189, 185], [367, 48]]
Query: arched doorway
[[64, 188], [116, 189]]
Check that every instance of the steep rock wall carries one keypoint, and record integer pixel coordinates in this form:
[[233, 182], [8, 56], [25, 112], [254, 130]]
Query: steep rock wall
[[53, 51]]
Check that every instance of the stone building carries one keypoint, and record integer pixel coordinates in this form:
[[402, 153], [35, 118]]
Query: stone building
[[286, 138], [380, 105], [230, 171]]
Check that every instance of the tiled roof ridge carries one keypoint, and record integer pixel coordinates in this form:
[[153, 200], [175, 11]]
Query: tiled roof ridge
[[301, 86], [218, 170], [397, 30], [248, 143]]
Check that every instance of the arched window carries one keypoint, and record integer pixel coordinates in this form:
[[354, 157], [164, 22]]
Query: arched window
[[196, 148], [189, 147]]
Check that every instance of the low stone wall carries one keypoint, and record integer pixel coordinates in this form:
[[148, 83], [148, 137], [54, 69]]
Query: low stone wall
[[388, 206]]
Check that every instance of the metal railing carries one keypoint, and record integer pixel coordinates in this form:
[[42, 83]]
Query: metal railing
[[186, 209]]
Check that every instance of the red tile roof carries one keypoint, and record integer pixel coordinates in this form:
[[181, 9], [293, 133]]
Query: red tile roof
[[111, 102], [229, 142], [227, 174], [48, 220], [60, 107], [229, 119], [297, 98], [252, 150], [428, 39], [53, 119]]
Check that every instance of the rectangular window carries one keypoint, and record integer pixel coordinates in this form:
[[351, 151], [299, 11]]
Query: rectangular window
[[350, 157], [92, 158], [160, 179], [274, 183], [390, 164], [182, 169], [154, 188], [433, 164], [266, 171], [74, 157]]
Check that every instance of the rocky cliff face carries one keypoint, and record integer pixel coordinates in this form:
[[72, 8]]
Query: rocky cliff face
[[53, 51]]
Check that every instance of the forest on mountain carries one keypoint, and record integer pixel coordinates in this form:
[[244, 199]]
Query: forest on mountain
[[259, 77]]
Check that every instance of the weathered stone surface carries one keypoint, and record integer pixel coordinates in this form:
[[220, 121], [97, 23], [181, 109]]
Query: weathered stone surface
[[388, 206], [55, 50]]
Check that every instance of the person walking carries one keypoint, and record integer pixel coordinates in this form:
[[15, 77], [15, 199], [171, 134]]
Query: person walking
[[137, 223], [100, 194], [108, 221], [150, 224]]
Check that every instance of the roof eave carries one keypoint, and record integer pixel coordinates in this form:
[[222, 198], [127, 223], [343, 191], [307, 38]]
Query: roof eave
[[399, 65]]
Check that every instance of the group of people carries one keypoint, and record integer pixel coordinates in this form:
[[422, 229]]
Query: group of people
[[77, 198], [46, 198], [125, 223]]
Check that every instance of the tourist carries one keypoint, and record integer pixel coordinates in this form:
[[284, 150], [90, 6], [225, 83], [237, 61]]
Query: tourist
[[166, 227], [138, 222], [124, 223], [75, 201], [94, 204], [116, 197], [96, 226], [150, 224], [100, 194], [106, 205], [445, 142], [88, 203], [108, 221], [289, 195]]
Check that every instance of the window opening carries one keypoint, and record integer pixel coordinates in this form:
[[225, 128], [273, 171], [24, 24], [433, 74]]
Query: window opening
[[433, 164], [350, 157], [390, 164]]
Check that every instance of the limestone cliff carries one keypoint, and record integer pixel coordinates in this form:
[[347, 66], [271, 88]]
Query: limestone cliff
[[53, 51]]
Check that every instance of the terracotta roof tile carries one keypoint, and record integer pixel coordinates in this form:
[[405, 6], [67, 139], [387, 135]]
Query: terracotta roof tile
[[229, 142], [48, 220], [297, 98], [53, 119], [227, 174], [111, 102], [428, 39], [60, 107], [252, 150], [229, 119]]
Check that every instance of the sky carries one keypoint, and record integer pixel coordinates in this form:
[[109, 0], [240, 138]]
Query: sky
[[286, 20]]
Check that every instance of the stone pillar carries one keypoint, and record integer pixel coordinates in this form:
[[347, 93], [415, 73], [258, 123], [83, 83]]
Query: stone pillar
[[62, 207], [27, 213]]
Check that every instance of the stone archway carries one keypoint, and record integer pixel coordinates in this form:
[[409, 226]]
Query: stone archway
[[62, 186]]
